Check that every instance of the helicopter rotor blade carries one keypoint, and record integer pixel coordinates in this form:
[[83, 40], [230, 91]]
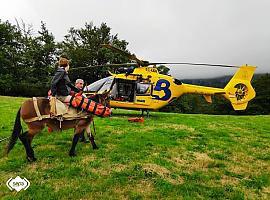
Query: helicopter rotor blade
[[128, 55], [108, 65], [195, 64]]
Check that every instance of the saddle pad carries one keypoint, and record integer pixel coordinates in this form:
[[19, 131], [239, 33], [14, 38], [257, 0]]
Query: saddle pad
[[61, 108]]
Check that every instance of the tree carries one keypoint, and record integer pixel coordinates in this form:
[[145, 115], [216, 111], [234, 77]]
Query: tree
[[261, 103], [25, 60], [83, 46], [9, 56]]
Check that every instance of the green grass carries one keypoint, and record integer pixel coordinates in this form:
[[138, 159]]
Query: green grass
[[169, 156]]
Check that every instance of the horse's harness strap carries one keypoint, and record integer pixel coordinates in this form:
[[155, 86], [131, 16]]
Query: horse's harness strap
[[36, 108], [39, 116]]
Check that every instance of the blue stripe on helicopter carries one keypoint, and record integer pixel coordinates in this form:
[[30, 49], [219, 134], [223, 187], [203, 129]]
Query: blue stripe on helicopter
[[138, 100]]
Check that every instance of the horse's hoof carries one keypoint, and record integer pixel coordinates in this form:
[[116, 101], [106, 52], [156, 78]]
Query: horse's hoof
[[72, 154], [31, 159], [95, 147]]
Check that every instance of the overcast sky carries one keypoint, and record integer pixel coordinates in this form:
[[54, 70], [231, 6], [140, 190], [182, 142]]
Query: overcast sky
[[232, 32]]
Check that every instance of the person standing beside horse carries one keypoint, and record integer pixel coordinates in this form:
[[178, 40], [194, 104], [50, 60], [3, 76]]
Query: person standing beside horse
[[79, 83]]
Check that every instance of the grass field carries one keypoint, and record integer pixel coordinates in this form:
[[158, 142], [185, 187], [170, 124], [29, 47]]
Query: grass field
[[169, 156]]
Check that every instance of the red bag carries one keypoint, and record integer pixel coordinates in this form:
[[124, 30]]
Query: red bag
[[136, 119]]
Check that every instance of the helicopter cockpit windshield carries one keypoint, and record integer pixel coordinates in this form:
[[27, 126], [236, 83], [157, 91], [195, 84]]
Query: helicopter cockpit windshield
[[100, 86]]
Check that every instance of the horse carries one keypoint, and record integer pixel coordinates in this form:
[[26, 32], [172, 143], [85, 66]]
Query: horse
[[27, 111]]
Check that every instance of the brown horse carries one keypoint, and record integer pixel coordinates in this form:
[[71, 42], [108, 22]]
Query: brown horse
[[27, 111]]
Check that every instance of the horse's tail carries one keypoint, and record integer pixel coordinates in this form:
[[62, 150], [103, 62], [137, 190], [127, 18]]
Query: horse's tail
[[16, 132]]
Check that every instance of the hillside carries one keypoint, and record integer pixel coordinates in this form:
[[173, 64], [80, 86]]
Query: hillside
[[169, 156]]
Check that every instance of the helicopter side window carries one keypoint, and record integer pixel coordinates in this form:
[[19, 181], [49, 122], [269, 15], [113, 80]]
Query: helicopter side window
[[177, 82], [143, 89]]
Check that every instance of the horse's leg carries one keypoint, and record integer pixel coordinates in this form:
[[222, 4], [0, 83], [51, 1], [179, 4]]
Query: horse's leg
[[74, 143], [26, 139], [82, 137], [91, 137]]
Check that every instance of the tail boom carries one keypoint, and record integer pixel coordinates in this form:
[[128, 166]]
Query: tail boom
[[238, 91]]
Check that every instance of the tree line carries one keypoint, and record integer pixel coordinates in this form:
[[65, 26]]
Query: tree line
[[28, 61]]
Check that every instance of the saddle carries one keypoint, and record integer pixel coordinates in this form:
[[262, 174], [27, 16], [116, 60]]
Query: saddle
[[61, 112]]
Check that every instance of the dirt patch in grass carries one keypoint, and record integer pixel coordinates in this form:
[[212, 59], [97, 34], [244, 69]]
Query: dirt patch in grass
[[33, 167], [118, 167], [230, 128], [162, 172], [87, 159], [227, 180], [254, 167], [62, 183], [176, 181], [240, 156], [202, 160], [178, 127], [180, 157], [153, 168], [110, 147], [118, 132], [179, 161], [144, 187], [266, 191], [101, 171]]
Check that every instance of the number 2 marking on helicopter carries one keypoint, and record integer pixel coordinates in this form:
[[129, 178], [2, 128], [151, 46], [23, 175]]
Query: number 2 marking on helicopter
[[165, 89]]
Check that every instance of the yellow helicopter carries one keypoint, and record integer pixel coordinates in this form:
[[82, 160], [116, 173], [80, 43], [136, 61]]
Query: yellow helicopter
[[144, 88]]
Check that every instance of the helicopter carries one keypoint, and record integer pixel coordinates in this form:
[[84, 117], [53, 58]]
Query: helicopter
[[140, 86]]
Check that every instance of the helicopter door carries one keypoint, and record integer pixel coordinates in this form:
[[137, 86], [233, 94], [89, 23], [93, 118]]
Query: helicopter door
[[123, 90]]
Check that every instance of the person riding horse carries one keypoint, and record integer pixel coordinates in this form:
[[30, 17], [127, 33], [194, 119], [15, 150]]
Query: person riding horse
[[61, 87]]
